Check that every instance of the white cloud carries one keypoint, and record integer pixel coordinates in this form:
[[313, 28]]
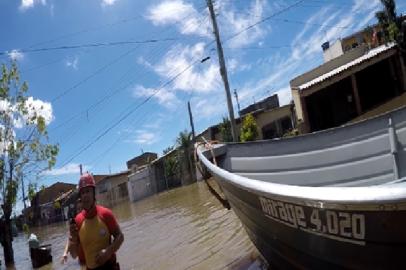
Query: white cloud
[[234, 22], [141, 60], [362, 5], [73, 63], [35, 107], [7, 140], [16, 55], [71, 168], [108, 2], [146, 137], [27, 4], [41, 108], [209, 107], [333, 25], [201, 77], [157, 123], [233, 66], [284, 96], [51, 10], [4, 105], [184, 15], [163, 96]]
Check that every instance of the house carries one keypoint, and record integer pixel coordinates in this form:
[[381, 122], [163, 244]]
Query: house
[[364, 37], [161, 174], [273, 121], [348, 86], [141, 160], [264, 104], [112, 189], [141, 184], [45, 208]]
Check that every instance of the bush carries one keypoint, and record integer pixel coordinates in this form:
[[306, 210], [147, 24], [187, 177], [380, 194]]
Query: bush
[[249, 129]]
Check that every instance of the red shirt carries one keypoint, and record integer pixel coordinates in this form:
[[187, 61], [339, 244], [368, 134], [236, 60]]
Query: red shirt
[[95, 231]]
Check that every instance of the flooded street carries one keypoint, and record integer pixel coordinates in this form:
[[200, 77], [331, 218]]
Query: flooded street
[[184, 228]]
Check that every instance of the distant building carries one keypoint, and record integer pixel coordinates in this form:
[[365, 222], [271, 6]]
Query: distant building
[[99, 177], [272, 121], [141, 184], [264, 104], [141, 160], [45, 207], [370, 37], [153, 178], [112, 188]]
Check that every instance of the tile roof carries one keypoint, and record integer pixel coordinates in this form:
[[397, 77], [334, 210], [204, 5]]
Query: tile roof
[[370, 54]]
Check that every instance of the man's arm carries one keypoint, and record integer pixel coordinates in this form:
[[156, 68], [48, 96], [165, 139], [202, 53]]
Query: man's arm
[[105, 254], [64, 257], [118, 240]]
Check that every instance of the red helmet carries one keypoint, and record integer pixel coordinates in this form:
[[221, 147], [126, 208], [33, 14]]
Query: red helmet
[[86, 180]]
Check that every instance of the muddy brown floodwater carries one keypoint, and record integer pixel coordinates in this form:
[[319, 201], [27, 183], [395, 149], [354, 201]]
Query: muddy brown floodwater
[[184, 228]]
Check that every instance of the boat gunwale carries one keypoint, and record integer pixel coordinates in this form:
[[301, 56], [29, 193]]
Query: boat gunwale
[[387, 197]]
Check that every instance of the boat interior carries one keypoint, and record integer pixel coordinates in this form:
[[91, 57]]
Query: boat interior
[[371, 152]]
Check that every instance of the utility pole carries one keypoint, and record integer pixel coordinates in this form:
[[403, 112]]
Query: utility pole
[[238, 103], [223, 70], [191, 121], [80, 168], [22, 185]]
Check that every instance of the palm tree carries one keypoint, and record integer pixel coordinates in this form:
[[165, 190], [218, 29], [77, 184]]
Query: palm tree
[[185, 144]]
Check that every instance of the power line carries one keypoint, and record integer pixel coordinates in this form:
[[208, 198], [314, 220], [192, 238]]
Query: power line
[[100, 101], [91, 45], [259, 48], [128, 114], [93, 74], [96, 28], [100, 157], [263, 20]]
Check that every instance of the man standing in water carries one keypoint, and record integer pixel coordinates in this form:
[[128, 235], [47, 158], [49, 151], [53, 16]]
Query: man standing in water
[[92, 232]]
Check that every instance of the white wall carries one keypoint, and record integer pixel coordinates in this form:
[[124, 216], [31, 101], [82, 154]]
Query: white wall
[[139, 184], [334, 51]]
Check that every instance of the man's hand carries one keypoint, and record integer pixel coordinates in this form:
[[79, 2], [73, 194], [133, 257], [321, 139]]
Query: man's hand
[[64, 258], [103, 256]]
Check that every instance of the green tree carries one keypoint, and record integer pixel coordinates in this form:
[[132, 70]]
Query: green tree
[[225, 130], [167, 150], [393, 27], [184, 142], [171, 165], [24, 147], [249, 129], [32, 190]]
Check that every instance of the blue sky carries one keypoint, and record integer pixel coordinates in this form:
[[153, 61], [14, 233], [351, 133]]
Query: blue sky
[[94, 64]]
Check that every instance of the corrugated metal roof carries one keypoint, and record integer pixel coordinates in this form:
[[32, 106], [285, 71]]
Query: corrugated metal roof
[[372, 53]]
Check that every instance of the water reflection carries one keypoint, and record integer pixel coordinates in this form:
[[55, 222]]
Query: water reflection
[[184, 228]]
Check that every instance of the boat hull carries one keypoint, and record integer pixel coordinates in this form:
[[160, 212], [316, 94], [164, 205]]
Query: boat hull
[[292, 235]]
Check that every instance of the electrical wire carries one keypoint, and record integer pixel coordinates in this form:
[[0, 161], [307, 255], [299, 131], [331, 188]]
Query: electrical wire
[[91, 45], [263, 20], [84, 148]]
